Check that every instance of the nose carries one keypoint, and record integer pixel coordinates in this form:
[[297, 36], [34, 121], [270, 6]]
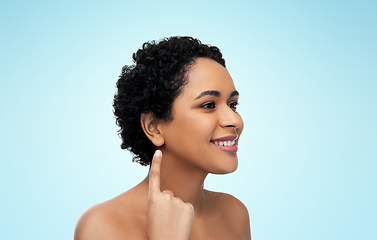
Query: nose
[[230, 118]]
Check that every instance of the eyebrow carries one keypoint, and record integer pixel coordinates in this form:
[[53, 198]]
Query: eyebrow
[[234, 93], [216, 94]]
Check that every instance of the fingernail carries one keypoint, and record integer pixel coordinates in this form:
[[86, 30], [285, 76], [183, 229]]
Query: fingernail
[[158, 153]]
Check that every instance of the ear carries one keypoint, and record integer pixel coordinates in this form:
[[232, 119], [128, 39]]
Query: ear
[[150, 126]]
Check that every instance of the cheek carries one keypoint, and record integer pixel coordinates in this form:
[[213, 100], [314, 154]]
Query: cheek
[[189, 134], [188, 139], [194, 129]]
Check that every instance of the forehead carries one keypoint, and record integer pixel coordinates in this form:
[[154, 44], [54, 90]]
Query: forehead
[[206, 74]]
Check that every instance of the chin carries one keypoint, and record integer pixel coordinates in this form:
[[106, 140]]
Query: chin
[[227, 169]]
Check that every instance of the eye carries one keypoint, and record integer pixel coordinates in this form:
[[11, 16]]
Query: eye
[[233, 105], [209, 105]]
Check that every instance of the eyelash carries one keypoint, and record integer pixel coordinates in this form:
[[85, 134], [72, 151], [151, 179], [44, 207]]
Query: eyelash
[[233, 105], [208, 105], [212, 105]]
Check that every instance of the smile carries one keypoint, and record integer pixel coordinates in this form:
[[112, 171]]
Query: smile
[[227, 144]]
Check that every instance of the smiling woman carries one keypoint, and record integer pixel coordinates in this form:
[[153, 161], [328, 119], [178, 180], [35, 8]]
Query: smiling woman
[[176, 109]]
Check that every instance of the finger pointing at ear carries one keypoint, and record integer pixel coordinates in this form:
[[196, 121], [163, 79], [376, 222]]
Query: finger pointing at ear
[[169, 218], [155, 173]]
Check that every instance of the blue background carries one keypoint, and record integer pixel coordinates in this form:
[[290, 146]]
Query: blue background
[[306, 72]]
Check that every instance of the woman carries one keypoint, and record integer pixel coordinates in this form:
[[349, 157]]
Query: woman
[[176, 109]]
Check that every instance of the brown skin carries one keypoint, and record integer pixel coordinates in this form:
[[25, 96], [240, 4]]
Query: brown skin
[[188, 157]]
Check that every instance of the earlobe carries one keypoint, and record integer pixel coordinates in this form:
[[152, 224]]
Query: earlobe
[[150, 126]]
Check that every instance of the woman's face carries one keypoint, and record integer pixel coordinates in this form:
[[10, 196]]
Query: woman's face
[[206, 126]]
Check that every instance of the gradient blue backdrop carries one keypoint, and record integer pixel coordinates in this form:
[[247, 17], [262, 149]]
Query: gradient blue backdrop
[[306, 72]]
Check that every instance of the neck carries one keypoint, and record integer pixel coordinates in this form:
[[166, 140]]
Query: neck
[[184, 180]]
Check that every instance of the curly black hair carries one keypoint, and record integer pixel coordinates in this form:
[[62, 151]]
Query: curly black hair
[[151, 85]]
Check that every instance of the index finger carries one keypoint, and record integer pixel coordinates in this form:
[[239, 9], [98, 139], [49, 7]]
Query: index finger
[[154, 173]]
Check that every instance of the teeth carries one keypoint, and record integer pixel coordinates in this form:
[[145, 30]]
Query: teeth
[[226, 143]]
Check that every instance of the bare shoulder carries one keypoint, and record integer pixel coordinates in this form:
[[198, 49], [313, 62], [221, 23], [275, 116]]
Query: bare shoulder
[[94, 223], [233, 210], [228, 203], [122, 217]]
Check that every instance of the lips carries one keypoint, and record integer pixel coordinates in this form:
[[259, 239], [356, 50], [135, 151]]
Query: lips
[[226, 138], [226, 143]]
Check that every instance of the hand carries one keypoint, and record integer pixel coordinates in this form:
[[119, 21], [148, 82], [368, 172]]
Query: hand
[[169, 218]]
